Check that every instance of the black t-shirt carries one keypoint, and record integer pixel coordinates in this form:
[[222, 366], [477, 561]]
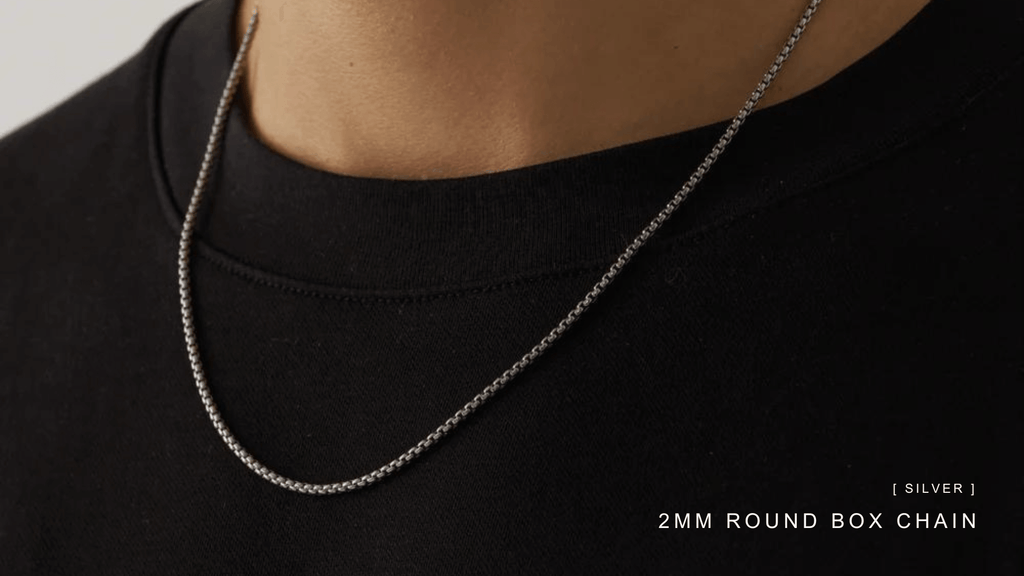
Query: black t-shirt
[[834, 315]]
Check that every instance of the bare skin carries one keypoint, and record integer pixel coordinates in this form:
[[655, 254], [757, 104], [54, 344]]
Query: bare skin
[[416, 89]]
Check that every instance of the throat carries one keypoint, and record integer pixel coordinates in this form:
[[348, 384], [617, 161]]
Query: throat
[[448, 88]]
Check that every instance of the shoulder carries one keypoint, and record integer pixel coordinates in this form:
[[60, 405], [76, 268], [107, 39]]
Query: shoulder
[[73, 176], [95, 136]]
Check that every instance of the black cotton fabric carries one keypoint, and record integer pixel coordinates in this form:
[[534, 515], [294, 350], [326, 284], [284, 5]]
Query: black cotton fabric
[[835, 313]]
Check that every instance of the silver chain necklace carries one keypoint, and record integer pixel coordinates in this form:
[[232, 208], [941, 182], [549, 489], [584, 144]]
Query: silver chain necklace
[[188, 323]]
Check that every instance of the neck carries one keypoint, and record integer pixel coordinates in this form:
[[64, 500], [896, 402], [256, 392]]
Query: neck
[[445, 88]]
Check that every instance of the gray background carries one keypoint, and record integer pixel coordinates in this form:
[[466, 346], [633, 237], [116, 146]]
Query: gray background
[[49, 49]]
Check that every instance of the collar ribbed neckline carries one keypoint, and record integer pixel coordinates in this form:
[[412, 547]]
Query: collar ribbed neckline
[[281, 219]]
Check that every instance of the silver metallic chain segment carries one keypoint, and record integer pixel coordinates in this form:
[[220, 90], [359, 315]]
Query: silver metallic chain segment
[[188, 323]]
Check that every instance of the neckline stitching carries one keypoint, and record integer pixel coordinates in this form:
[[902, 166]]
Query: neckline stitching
[[893, 140]]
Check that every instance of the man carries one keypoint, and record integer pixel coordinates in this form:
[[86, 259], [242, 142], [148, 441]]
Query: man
[[408, 197]]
